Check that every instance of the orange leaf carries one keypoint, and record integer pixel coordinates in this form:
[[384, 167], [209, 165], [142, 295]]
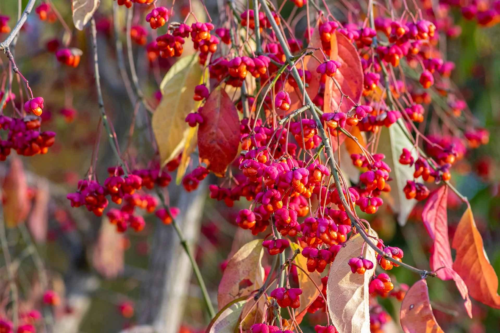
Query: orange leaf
[[15, 194], [219, 134], [472, 264], [416, 312], [244, 273], [349, 77], [351, 145]]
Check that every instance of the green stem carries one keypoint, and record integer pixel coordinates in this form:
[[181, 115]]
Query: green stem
[[185, 246]]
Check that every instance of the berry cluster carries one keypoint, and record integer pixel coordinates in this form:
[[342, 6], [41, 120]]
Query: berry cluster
[[287, 297], [123, 191], [24, 137]]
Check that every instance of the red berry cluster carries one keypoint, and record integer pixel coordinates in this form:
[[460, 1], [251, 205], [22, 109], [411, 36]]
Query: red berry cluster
[[287, 297], [24, 137], [360, 265], [158, 17], [381, 285]]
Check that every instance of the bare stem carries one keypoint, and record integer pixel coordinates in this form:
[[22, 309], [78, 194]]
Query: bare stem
[[133, 72], [6, 43], [101, 101]]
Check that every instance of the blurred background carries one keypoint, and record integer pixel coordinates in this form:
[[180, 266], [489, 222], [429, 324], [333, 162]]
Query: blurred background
[[109, 281]]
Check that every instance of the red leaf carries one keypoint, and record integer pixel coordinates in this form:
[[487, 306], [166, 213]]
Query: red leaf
[[349, 77], [219, 134], [472, 264], [416, 312], [435, 219], [15, 194]]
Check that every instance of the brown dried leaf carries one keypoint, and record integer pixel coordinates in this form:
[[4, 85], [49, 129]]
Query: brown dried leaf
[[416, 312], [347, 293], [244, 265]]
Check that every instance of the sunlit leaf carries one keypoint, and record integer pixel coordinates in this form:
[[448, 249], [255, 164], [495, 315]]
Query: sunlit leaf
[[472, 264], [416, 313], [83, 10], [308, 282], [219, 134], [189, 147], [391, 144], [347, 293], [244, 266], [177, 102]]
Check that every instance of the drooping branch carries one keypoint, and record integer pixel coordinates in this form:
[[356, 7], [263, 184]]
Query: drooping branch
[[328, 147]]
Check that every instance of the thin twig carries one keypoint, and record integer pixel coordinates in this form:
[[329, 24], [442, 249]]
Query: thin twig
[[133, 72], [4, 46], [100, 99]]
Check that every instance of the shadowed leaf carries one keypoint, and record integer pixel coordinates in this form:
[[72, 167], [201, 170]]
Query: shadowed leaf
[[391, 144], [243, 267], [416, 312], [219, 134]]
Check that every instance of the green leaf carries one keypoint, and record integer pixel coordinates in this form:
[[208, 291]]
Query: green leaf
[[227, 319], [392, 142], [177, 87]]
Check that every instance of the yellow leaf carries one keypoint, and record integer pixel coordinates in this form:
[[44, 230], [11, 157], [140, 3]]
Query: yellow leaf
[[191, 141], [177, 102], [308, 282], [83, 10]]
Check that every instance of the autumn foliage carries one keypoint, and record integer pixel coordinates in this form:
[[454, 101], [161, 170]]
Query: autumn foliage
[[331, 137]]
